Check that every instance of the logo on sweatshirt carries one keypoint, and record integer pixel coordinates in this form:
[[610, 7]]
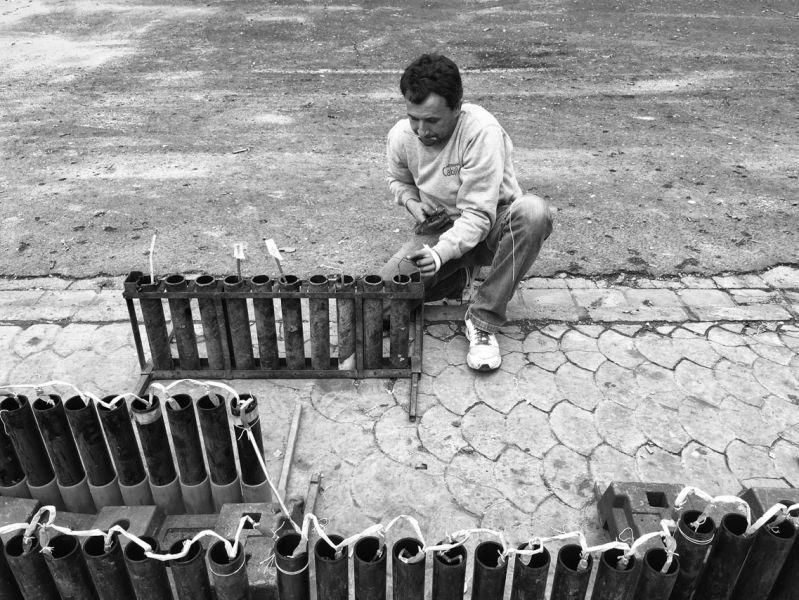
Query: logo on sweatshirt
[[451, 169]]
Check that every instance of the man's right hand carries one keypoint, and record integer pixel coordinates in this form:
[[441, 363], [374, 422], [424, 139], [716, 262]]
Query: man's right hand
[[416, 209]]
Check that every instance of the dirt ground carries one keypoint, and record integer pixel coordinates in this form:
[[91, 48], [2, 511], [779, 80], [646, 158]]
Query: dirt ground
[[665, 133]]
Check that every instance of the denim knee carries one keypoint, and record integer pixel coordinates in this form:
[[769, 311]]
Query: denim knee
[[533, 214]]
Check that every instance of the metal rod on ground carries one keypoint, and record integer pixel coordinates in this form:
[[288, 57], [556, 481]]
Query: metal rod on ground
[[183, 323], [225, 487], [530, 578], [693, 544], [489, 572], [288, 457], [264, 309], [787, 585], [407, 569], [572, 574], [449, 573], [254, 486], [293, 577], [400, 323], [212, 329], [238, 324], [8, 585], [292, 323], [148, 575], [194, 481], [332, 579], [27, 563], [372, 323], [771, 547], [615, 577], [152, 311], [124, 451], [68, 568], [57, 437], [107, 568], [726, 558], [319, 317], [12, 477], [370, 558], [654, 584], [229, 575], [20, 425], [190, 573], [87, 431], [345, 321], [155, 446]]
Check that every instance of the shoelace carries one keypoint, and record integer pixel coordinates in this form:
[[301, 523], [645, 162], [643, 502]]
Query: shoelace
[[482, 337]]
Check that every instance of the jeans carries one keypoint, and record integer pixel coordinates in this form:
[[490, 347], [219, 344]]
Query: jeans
[[510, 248]]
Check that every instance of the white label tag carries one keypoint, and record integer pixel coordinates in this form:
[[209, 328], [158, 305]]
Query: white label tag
[[238, 250], [271, 247]]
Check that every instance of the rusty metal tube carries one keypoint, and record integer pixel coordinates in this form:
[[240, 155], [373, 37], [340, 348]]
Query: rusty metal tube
[[407, 569], [616, 576], [530, 578], [238, 319], [251, 471], [190, 573], [182, 323], [293, 577], [148, 575], [332, 580], [292, 323], [449, 573], [30, 571], [319, 317], [152, 310], [68, 568], [654, 584], [770, 548], [86, 428], [107, 568], [345, 321], [373, 323], [229, 575], [400, 316], [209, 317], [212, 413], [122, 442], [370, 558], [264, 309], [693, 544], [726, 558], [572, 574], [490, 570]]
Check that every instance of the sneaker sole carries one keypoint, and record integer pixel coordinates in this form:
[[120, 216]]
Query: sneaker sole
[[483, 366]]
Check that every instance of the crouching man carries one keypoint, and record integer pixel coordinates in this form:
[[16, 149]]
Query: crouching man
[[450, 166]]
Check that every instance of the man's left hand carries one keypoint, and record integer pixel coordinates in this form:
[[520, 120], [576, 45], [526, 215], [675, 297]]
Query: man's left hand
[[426, 260]]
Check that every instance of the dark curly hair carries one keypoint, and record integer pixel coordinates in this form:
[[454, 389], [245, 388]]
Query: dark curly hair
[[432, 73]]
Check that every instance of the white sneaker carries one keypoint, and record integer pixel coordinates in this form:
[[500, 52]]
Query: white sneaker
[[483, 349]]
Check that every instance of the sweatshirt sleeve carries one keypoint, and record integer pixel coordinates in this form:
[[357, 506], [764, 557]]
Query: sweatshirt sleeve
[[398, 175], [481, 173]]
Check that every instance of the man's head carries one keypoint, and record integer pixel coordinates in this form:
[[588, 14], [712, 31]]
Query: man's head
[[432, 88]]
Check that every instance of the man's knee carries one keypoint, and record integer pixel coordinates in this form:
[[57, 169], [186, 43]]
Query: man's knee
[[533, 214]]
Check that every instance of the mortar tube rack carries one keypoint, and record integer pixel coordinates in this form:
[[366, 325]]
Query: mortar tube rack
[[414, 291]]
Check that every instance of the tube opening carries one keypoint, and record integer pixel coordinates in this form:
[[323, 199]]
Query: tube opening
[[13, 402], [204, 280], [232, 280], [656, 558], [401, 279], [139, 405], [344, 280], [62, 545], [42, 405], [15, 547], [289, 280], [735, 523], [411, 546], [183, 401], [611, 558], [205, 402], [193, 552], [318, 280], [108, 399], [75, 403], [784, 530], [95, 545], [174, 279], [569, 556], [325, 551], [373, 280], [488, 553], [452, 557], [218, 553], [369, 549], [122, 524], [287, 544], [539, 559], [135, 553], [261, 280], [690, 516]]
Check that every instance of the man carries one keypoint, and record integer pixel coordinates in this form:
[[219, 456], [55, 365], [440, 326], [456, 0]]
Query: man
[[450, 159]]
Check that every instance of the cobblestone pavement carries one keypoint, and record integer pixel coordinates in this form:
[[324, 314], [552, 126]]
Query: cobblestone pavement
[[691, 380]]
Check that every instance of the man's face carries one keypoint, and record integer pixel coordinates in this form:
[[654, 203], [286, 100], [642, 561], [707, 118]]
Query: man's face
[[432, 120]]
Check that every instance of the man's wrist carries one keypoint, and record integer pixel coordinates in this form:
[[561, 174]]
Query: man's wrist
[[406, 200]]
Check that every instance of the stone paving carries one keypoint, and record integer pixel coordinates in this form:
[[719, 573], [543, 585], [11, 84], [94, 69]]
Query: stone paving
[[689, 380]]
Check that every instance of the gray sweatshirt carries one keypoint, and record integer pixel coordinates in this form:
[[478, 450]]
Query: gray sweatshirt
[[470, 176]]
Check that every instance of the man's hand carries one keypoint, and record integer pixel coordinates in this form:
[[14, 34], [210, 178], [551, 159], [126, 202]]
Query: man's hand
[[426, 260], [417, 210]]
